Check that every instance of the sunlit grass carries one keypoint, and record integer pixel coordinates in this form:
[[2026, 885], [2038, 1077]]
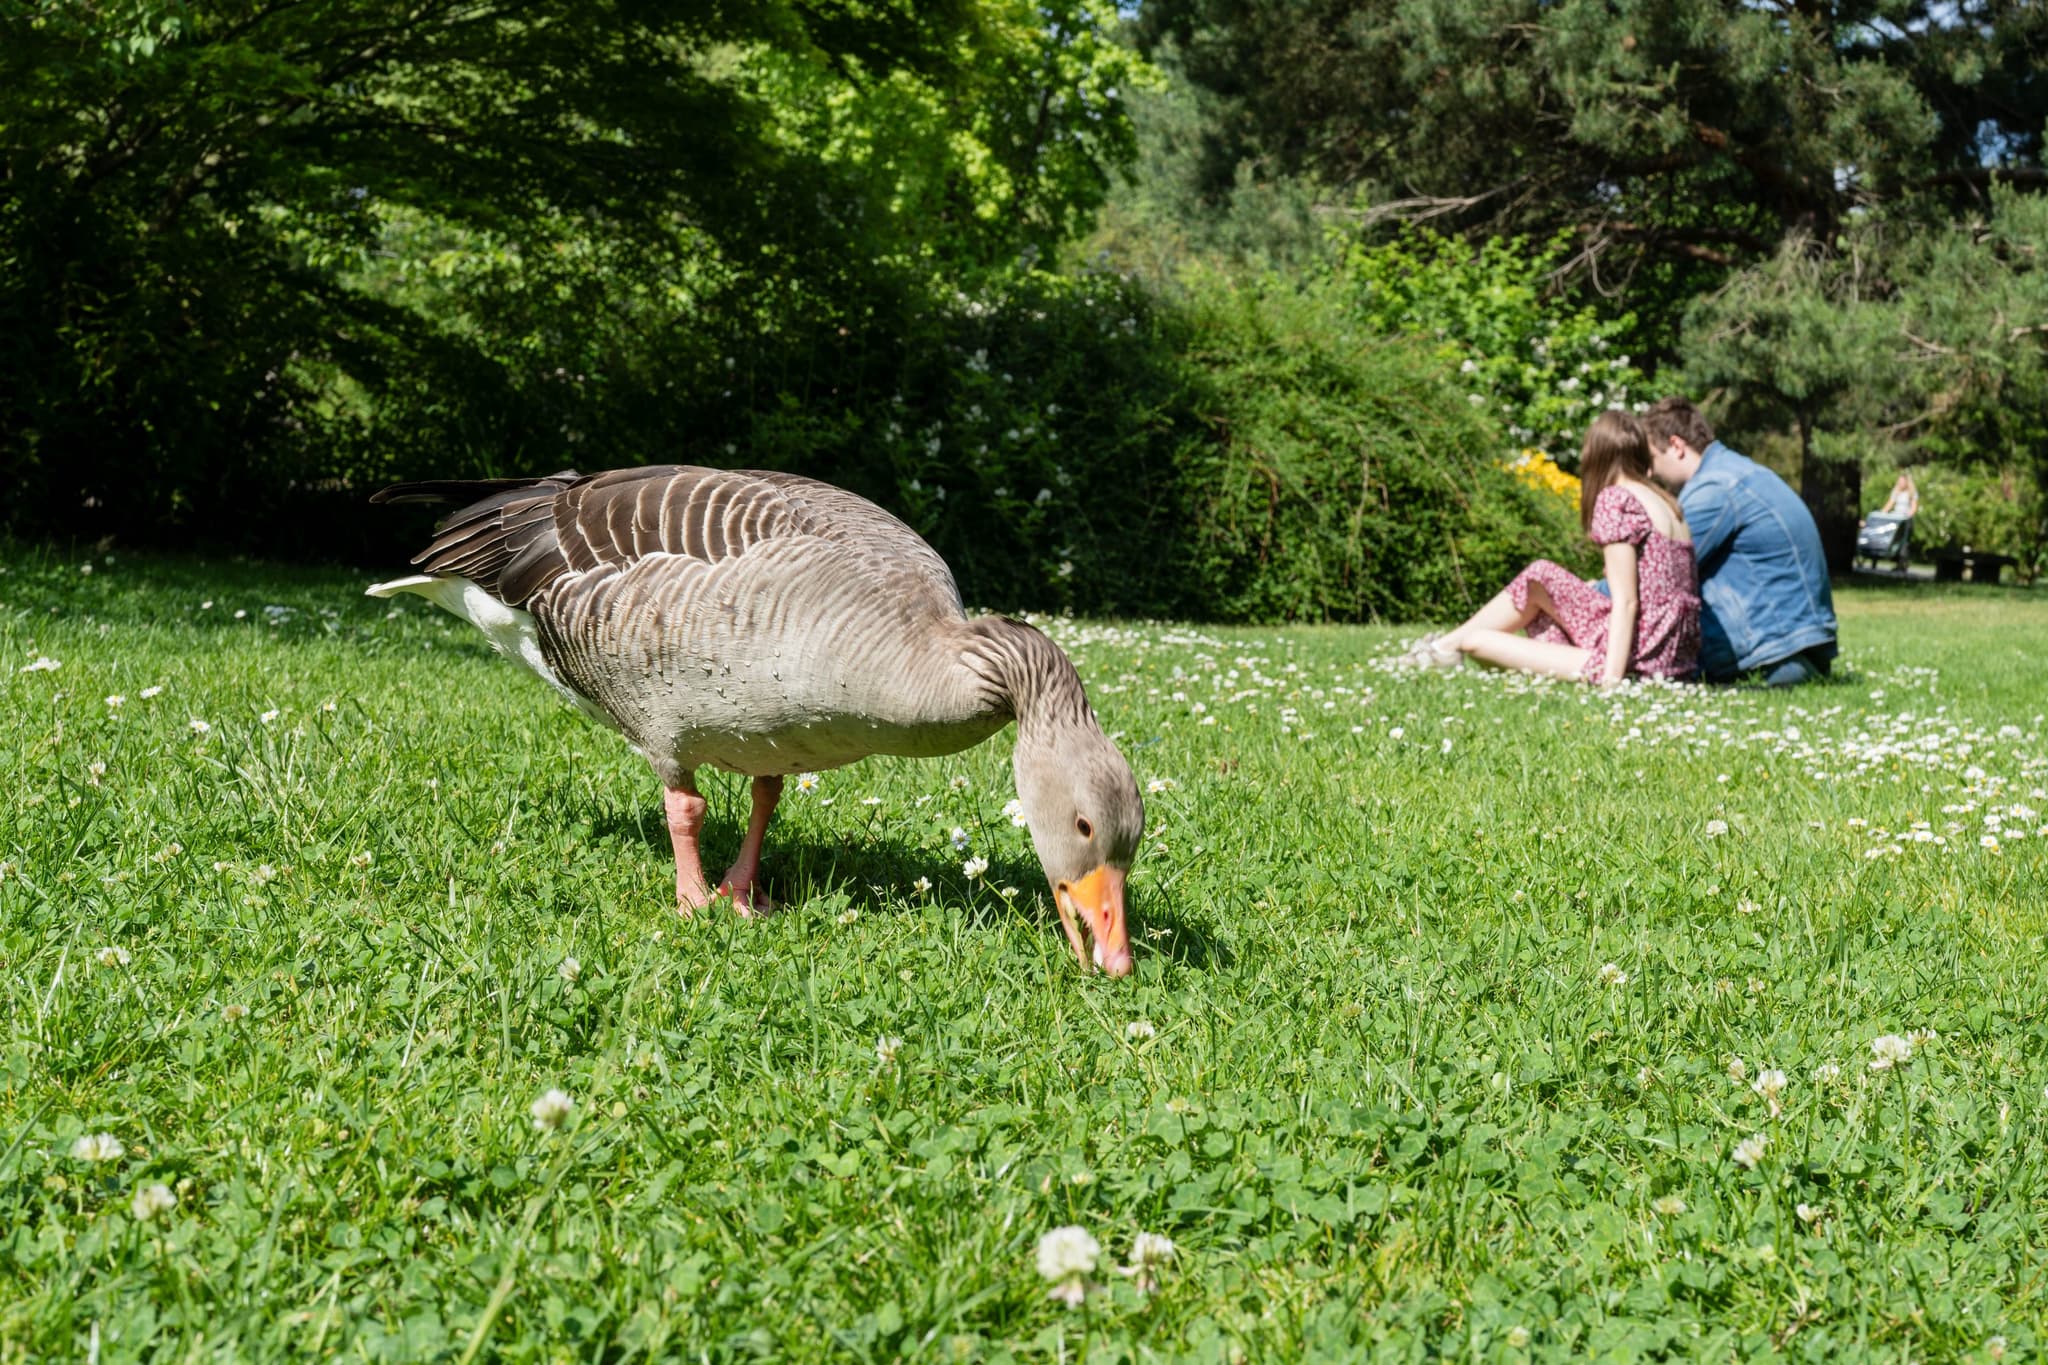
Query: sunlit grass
[[1442, 987]]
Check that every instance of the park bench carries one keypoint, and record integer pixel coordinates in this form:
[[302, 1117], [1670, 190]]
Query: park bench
[[1978, 566]]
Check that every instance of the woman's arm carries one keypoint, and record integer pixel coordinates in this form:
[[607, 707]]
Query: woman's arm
[[1621, 623]]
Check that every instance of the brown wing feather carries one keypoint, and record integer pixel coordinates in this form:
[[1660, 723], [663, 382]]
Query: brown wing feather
[[516, 542]]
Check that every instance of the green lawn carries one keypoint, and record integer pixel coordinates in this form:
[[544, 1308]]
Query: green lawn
[[1374, 1074]]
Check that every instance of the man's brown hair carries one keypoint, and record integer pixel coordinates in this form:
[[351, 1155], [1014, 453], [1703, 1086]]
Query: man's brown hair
[[1669, 417]]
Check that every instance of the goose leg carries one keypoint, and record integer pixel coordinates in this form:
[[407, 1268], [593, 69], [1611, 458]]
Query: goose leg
[[741, 879], [685, 809]]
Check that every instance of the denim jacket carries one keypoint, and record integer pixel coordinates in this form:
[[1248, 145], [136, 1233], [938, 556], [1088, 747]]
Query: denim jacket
[[1763, 577]]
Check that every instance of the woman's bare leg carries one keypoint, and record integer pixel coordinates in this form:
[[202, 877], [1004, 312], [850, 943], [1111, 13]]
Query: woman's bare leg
[[1501, 615], [1505, 650]]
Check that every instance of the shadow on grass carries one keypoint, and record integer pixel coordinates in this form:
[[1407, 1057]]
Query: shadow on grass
[[877, 875]]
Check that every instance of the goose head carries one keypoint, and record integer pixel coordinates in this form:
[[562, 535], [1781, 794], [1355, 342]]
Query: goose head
[[1086, 818]]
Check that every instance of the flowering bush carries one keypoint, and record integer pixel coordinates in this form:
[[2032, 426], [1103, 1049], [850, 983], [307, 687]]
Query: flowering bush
[[1526, 355]]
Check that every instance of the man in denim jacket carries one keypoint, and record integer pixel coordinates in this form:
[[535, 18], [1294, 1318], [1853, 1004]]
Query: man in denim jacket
[[1767, 606]]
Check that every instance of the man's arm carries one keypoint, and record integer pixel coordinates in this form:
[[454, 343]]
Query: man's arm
[[1711, 518]]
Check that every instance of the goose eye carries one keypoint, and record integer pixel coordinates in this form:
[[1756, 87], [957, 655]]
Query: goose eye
[[1081, 825]]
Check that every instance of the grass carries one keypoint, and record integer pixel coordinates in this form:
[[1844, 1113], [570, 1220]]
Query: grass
[[1391, 1102]]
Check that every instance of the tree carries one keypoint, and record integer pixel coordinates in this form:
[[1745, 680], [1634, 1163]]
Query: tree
[[1801, 341], [1676, 137], [198, 202]]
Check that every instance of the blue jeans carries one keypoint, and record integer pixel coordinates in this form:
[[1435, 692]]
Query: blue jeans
[[1803, 667]]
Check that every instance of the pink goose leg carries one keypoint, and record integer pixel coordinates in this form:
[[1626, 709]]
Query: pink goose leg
[[685, 808], [741, 880]]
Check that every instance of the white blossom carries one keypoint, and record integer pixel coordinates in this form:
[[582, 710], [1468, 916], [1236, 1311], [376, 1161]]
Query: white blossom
[[152, 1200], [98, 1147], [1067, 1256], [551, 1110], [1749, 1152]]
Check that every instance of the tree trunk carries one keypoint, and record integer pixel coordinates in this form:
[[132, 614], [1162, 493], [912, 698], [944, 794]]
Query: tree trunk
[[1833, 491]]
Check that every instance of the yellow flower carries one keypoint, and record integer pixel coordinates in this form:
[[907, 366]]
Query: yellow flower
[[1535, 468]]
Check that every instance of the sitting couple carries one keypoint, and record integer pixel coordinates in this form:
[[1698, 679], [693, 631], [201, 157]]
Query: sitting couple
[[1724, 580]]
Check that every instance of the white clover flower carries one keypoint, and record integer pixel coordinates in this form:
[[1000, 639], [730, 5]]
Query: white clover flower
[[1716, 828], [98, 1147], [806, 782], [363, 859], [151, 1200], [570, 969], [1160, 784], [1921, 1037], [1995, 1347], [1746, 906], [1149, 1251], [1808, 1213], [1749, 1152], [113, 955], [1013, 809], [263, 874], [116, 701], [1670, 1206], [1398, 732], [149, 692], [974, 867], [1770, 1084], [1518, 1336], [1067, 1256], [551, 1110], [1889, 1050], [959, 783], [1611, 974], [1827, 1071], [268, 716], [234, 1013], [886, 1048], [923, 886], [1738, 1070], [1140, 1028]]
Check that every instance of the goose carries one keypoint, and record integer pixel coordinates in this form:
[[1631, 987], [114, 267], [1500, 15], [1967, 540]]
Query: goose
[[768, 624]]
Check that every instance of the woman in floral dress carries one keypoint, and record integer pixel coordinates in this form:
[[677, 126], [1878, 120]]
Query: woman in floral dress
[[1650, 624]]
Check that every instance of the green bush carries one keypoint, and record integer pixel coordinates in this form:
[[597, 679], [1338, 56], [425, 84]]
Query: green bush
[[1343, 476], [1538, 359], [1996, 510]]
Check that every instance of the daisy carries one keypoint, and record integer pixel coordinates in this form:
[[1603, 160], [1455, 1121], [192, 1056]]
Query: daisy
[[149, 692], [807, 782]]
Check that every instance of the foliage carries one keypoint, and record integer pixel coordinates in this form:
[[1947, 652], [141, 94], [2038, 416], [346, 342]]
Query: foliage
[[1346, 479], [198, 204], [1682, 138], [1388, 1106], [1998, 510], [1547, 364]]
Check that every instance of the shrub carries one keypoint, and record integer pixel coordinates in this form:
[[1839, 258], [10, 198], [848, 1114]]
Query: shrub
[[1544, 364], [1997, 510]]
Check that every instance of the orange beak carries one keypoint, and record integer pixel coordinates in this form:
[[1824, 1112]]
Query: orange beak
[[1097, 901]]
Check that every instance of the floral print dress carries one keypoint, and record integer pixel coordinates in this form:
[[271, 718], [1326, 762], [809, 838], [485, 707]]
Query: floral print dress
[[1668, 585]]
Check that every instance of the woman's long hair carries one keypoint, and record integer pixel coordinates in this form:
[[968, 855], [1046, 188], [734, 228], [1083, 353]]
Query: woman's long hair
[[1616, 447]]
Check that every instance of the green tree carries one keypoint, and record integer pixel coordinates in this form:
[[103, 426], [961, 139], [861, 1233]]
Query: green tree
[[1674, 139], [199, 300]]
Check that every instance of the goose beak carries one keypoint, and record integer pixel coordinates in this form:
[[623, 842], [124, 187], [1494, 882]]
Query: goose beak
[[1097, 901]]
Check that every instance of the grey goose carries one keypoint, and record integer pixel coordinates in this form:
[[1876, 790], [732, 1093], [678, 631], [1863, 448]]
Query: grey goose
[[769, 624]]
